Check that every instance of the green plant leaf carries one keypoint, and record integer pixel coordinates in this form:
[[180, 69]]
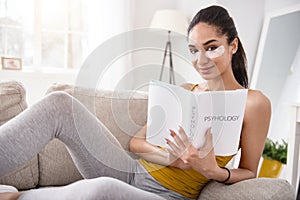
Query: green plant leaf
[[275, 150]]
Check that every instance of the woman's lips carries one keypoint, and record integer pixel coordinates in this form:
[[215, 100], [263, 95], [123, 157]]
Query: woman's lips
[[205, 69]]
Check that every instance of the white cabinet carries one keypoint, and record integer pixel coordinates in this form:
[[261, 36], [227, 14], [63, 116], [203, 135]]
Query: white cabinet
[[293, 148]]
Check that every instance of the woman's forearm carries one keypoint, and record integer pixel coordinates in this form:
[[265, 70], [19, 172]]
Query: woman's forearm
[[236, 175], [150, 152]]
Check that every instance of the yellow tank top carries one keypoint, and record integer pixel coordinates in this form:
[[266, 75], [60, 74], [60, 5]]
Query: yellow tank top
[[185, 182]]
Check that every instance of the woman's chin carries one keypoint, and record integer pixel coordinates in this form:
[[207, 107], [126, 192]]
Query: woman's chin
[[208, 76]]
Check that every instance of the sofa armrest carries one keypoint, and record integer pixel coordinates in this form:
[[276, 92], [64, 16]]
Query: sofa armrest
[[12, 103], [257, 188], [12, 100]]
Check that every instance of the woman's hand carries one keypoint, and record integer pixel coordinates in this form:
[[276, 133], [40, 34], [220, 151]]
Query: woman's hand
[[177, 162], [202, 160], [152, 153]]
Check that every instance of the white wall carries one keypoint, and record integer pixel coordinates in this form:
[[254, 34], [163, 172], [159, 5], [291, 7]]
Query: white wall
[[272, 5], [144, 10], [191, 7]]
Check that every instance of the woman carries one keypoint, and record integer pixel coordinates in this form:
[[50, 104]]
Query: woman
[[180, 173]]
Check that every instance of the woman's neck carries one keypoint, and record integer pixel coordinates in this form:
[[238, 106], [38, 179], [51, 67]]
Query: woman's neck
[[223, 82]]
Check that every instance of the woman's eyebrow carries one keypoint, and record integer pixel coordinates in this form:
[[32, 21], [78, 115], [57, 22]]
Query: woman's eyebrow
[[206, 43]]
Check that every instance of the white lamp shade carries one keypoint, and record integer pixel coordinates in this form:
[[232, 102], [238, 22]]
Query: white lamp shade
[[171, 20]]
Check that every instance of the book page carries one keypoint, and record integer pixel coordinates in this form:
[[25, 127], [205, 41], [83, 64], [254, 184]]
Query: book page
[[170, 106], [166, 110]]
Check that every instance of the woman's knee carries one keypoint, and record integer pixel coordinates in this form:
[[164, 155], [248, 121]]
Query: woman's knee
[[107, 183], [59, 99], [59, 96]]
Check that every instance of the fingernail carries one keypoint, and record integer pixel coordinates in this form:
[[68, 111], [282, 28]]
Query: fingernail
[[167, 141], [172, 134], [179, 127]]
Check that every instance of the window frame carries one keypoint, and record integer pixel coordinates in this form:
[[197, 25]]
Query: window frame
[[37, 42]]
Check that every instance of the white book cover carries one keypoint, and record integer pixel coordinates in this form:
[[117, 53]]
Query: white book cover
[[170, 106]]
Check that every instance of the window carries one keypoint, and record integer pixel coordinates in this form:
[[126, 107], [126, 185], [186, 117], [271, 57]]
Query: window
[[44, 33]]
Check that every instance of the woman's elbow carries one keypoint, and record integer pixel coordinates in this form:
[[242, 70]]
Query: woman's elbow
[[252, 174], [132, 145]]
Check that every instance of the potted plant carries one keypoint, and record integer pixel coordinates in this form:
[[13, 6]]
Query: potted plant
[[275, 155]]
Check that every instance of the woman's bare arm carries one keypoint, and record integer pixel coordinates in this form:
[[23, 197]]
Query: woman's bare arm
[[254, 133], [149, 152], [255, 130]]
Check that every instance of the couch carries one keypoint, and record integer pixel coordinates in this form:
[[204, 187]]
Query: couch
[[123, 112]]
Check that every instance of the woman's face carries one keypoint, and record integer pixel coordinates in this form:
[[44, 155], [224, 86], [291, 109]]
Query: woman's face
[[211, 55]]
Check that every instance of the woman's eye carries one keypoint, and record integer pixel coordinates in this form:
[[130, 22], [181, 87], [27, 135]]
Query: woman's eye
[[212, 48], [193, 51]]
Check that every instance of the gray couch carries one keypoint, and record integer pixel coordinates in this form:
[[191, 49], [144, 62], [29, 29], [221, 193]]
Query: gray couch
[[123, 113]]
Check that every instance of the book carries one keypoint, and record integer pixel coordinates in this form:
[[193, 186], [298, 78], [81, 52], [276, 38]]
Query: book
[[170, 106]]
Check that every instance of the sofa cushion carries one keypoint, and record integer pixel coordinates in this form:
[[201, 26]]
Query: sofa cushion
[[257, 188], [24, 178], [13, 102], [56, 166], [123, 113]]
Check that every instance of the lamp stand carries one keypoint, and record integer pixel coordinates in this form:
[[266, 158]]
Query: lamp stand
[[168, 52]]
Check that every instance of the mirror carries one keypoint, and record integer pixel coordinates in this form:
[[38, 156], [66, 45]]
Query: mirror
[[279, 42]]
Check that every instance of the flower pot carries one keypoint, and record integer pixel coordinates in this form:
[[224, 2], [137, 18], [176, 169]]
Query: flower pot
[[270, 168]]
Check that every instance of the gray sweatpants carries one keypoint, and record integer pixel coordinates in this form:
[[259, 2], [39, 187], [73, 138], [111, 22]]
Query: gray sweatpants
[[94, 150]]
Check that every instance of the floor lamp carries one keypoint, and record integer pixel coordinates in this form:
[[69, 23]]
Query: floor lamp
[[168, 52], [172, 21]]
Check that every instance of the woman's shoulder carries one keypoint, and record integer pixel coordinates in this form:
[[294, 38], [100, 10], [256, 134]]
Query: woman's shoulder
[[257, 101], [187, 86]]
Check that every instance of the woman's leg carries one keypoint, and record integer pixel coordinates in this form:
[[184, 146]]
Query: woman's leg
[[92, 147], [98, 188]]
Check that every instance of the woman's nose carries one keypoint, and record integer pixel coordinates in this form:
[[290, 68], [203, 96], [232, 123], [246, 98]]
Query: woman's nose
[[202, 59]]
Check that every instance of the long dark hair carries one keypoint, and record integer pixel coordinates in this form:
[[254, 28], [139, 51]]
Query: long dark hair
[[219, 17]]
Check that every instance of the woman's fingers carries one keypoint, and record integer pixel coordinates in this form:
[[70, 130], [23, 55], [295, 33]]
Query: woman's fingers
[[173, 147], [208, 142], [183, 136], [208, 145], [177, 139]]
